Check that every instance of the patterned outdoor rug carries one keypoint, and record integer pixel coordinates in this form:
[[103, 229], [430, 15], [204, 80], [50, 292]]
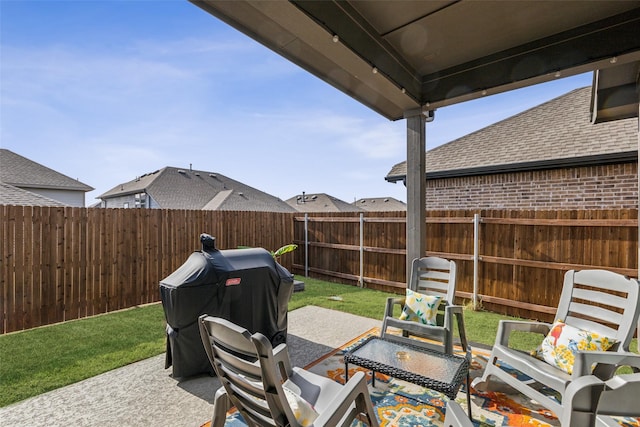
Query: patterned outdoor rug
[[402, 404]]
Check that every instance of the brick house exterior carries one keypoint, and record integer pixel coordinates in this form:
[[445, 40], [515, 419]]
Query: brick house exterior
[[548, 157], [588, 187]]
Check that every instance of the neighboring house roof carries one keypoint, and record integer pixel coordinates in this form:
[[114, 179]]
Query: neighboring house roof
[[24, 173], [320, 202], [176, 188], [380, 204], [10, 195], [558, 133]]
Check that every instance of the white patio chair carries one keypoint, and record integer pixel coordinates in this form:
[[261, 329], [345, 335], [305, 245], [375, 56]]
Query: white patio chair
[[598, 301], [588, 401], [431, 276], [260, 382]]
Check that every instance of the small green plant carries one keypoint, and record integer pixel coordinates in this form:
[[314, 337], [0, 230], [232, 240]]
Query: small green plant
[[279, 252], [283, 250]]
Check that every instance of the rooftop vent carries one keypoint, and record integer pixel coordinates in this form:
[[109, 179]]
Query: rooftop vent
[[182, 171], [213, 175]]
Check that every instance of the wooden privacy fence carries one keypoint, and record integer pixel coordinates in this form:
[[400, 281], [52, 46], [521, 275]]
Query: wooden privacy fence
[[59, 264], [512, 261], [62, 263]]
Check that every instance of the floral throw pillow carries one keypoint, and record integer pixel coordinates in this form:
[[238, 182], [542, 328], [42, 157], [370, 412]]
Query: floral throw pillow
[[303, 411], [420, 308], [563, 341]]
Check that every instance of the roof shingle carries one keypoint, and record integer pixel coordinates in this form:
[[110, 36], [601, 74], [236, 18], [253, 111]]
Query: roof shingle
[[10, 195], [559, 129], [381, 204], [175, 188], [320, 202], [24, 173]]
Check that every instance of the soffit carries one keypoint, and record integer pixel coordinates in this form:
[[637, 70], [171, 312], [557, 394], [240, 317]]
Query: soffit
[[431, 54]]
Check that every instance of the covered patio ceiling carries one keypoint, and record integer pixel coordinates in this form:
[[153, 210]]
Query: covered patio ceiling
[[395, 56], [405, 59]]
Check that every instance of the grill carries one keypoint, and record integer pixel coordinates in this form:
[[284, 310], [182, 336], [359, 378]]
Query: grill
[[245, 286]]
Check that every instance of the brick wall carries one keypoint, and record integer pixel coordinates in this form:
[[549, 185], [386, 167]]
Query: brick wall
[[589, 187]]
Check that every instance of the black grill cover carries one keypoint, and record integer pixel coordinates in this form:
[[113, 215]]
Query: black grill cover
[[245, 286]]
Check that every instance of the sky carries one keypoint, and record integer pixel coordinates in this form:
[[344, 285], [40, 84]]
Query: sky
[[104, 91]]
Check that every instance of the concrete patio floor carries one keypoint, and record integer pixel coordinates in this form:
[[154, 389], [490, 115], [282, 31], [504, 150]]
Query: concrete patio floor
[[145, 394]]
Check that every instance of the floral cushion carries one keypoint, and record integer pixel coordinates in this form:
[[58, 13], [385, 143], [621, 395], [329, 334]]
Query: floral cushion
[[420, 308], [303, 411], [563, 341]]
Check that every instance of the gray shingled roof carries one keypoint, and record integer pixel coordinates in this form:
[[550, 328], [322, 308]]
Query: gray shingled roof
[[175, 188], [380, 204], [320, 202], [558, 132], [10, 195], [24, 173]]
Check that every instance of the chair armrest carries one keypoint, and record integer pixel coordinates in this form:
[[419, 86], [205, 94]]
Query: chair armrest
[[281, 358], [354, 389], [585, 359], [583, 398], [391, 301], [506, 327], [221, 404], [457, 311]]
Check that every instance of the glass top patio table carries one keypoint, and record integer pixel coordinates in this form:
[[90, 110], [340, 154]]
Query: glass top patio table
[[425, 367]]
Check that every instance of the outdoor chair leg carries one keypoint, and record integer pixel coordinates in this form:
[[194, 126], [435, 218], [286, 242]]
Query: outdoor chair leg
[[469, 396]]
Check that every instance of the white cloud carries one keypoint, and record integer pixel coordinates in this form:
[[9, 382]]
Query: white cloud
[[379, 141]]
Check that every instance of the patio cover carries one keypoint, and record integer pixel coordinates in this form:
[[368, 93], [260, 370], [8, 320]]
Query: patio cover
[[405, 59]]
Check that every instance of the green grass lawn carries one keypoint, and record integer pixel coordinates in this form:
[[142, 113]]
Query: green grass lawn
[[38, 360]]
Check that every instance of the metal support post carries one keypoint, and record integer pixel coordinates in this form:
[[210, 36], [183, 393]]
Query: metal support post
[[361, 279], [476, 257], [306, 245]]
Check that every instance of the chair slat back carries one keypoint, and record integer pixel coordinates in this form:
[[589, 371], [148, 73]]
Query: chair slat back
[[241, 367], [601, 301], [434, 276]]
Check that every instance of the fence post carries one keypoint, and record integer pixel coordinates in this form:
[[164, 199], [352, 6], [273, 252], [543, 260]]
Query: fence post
[[306, 245], [361, 279], [476, 257]]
